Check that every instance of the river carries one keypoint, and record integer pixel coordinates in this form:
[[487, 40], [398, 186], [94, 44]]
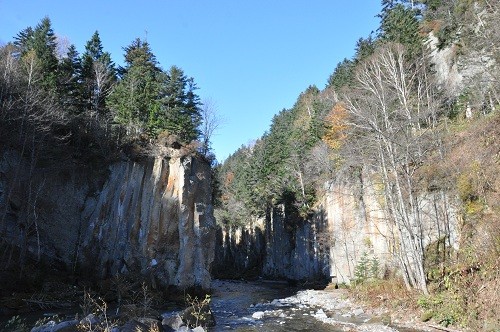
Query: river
[[266, 306], [275, 307]]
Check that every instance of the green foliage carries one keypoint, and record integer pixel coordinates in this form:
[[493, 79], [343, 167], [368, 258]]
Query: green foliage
[[147, 99], [181, 105], [137, 94], [444, 308], [98, 74], [41, 42], [400, 24], [71, 90], [364, 48], [342, 75], [275, 169], [362, 268], [84, 102], [366, 268]]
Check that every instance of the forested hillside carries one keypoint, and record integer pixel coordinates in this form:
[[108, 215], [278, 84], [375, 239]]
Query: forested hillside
[[52, 95], [416, 107], [73, 125]]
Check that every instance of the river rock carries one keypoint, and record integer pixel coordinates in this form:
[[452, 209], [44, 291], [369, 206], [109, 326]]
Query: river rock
[[320, 314], [183, 329], [174, 321], [357, 312], [198, 329], [375, 328], [258, 315]]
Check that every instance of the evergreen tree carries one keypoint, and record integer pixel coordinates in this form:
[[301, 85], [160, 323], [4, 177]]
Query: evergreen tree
[[98, 75], [182, 115], [135, 100], [399, 23], [41, 41], [342, 75], [364, 48], [71, 89]]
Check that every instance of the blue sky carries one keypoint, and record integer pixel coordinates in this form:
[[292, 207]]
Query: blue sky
[[251, 58]]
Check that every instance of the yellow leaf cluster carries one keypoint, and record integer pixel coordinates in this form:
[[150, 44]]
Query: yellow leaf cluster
[[336, 126]]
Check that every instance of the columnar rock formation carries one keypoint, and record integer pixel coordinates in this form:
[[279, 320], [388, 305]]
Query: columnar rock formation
[[280, 246], [350, 224], [152, 217]]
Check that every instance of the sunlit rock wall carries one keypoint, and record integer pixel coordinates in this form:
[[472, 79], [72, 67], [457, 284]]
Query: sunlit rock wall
[[360, 229], [350, 224], [156, 218], [152, 217]]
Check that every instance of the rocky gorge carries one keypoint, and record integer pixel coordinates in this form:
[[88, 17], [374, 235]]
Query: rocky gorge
[[152, 218], [349, 225]]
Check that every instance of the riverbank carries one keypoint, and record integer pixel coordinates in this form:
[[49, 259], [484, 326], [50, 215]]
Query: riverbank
[[243, 306], [266, 306]]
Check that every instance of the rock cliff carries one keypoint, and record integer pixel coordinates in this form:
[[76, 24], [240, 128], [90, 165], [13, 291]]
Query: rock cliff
[[359, 226], [152, 217], [279, 246], [350, 224]]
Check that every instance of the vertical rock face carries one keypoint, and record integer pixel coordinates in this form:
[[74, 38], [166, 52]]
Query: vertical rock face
[[350, 224], [243, 249], [359, 227], [152, 217], [280, 246], [293, 248]]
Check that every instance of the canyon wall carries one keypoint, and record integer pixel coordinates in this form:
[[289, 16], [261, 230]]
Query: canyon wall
[[152, 217], [360, 228], [281, 246], [350, 224]]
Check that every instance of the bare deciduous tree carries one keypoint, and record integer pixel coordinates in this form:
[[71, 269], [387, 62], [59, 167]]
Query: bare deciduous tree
[[391, 109], [211, 123]]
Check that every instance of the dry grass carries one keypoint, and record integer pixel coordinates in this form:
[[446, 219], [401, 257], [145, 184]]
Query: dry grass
[[388, 294], [466, 292]]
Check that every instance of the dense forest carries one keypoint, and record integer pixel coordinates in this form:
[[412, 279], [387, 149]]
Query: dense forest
[[390, 111], [52, 96]]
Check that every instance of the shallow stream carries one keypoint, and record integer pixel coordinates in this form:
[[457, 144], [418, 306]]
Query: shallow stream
[[267, 306], [275, 307]]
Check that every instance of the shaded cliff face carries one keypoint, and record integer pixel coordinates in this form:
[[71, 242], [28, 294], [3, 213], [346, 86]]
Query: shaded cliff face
[[152, 218], [280, 246]]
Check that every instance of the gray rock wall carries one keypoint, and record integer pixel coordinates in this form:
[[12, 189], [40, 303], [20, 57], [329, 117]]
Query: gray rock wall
[[152, 217], [358, 226], [280, 246], [349, 223]]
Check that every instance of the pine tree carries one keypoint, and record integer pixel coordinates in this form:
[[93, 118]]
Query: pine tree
[[135, 100], [71, 89], [364, 48], [41, 42], [399, 23], [98, 75], [182, 114], [342, 75]]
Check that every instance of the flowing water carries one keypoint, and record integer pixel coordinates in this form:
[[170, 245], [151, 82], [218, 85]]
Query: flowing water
[[275, 307], [234, 303], [268, 306]]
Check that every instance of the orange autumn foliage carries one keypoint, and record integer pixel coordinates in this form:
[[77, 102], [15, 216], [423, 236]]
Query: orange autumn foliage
[[336, 126]]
